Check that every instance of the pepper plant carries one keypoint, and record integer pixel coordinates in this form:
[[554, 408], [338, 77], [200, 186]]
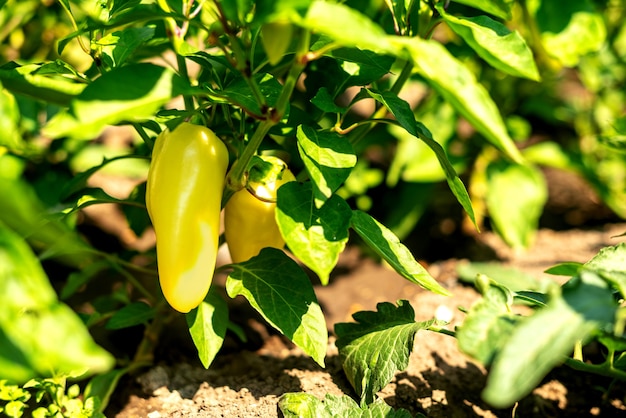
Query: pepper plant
[[214, 91]]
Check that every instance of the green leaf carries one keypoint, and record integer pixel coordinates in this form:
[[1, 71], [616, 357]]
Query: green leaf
[[237, 11], [387, 245], [207, 326], [405, 117], [510, 277], [569, 30], [59, 67], [131, 93], [378, 345], [502, 48], [550, 154], [398, 9], [363, 67], [239, 93], [456, 83], [120, 45], [615, 142], [273, 10], [135, 313], [79, 278], [414, 161], [93, 196], [534, 299], [341, 68], [282, 293], [498, 8], [565, 269], [328, 158], [120, 6], [316, 236], [9, 122], [14, 408], [304, 405], [276, 39], [488, 324], [103, 386], [610, 263], [31, 318], [80, 180], [516, 195], [135, 211], [346, 26], [619, 125], [22, 211], [545, 338], [613, 342], [49, 88], [324, 101]]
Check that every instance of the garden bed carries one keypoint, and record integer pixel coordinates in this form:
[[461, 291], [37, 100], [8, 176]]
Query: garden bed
[[247, 380]]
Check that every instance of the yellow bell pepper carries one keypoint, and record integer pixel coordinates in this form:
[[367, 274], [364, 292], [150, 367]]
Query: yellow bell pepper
[[249, 216], [183, 197]]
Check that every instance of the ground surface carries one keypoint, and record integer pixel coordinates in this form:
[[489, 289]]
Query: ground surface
[[439, 382]]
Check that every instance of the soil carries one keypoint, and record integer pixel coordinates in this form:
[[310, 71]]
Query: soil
[[439, 381], [247, 380]]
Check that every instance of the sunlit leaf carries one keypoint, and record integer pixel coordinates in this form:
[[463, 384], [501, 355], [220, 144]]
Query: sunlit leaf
[[499, 8], [387, 245], [569, 30], [9, 121], [545, 338], [405, 117], [487, 324], [32, 317], [502, 48], [328, 158], [346, 26], [23, 79], [304, 405], [377, 345], [315, 235], [207, 325], [516, 196], [23, 211], [458, 85], [282, 293], [610, 263], [131, 93], [510, 277]]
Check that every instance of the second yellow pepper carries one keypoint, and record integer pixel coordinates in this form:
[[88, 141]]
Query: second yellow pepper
[[249, 216]]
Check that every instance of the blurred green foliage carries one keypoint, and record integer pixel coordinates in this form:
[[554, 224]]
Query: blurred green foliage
[[478, 96]]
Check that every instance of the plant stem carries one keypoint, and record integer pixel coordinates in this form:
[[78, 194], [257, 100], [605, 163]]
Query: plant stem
[[442, 330], [145, 352], [75, 26], [182, 70], [241, 62], [235, 177]]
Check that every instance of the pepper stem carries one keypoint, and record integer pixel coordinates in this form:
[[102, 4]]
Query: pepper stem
[[235, 177]]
